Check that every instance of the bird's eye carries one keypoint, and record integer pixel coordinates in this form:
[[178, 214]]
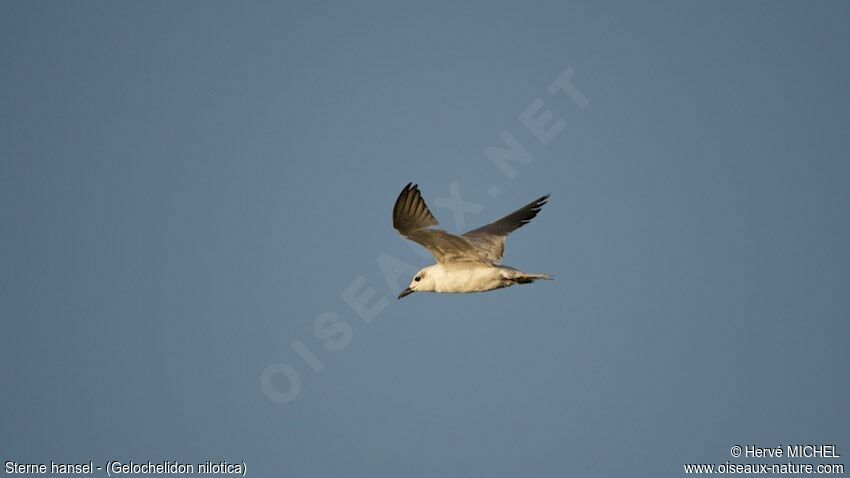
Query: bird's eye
[[417, 278]]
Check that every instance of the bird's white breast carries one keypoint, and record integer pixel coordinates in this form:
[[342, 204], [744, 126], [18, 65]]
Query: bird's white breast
[[467, 277]]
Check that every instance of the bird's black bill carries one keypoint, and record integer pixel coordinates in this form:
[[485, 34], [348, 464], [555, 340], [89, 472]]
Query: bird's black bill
[[405, 292]]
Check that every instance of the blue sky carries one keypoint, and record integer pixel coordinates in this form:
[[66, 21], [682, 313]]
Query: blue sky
[[186, 187]]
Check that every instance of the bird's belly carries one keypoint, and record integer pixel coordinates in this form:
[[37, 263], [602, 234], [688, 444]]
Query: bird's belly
[[472, 279]]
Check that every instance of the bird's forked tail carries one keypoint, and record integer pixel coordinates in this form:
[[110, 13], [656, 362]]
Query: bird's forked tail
[[529, 278]]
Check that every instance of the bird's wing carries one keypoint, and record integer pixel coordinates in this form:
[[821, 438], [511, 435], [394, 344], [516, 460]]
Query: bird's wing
[[490, 239], [413, 220]]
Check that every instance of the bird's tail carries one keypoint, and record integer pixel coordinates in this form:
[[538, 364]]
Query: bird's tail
[[529, 278]]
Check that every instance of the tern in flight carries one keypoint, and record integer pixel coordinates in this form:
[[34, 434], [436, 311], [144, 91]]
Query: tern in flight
[[466, 263]]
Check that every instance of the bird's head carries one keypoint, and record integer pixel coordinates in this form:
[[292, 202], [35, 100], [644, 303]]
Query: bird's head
[[423, 281]]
